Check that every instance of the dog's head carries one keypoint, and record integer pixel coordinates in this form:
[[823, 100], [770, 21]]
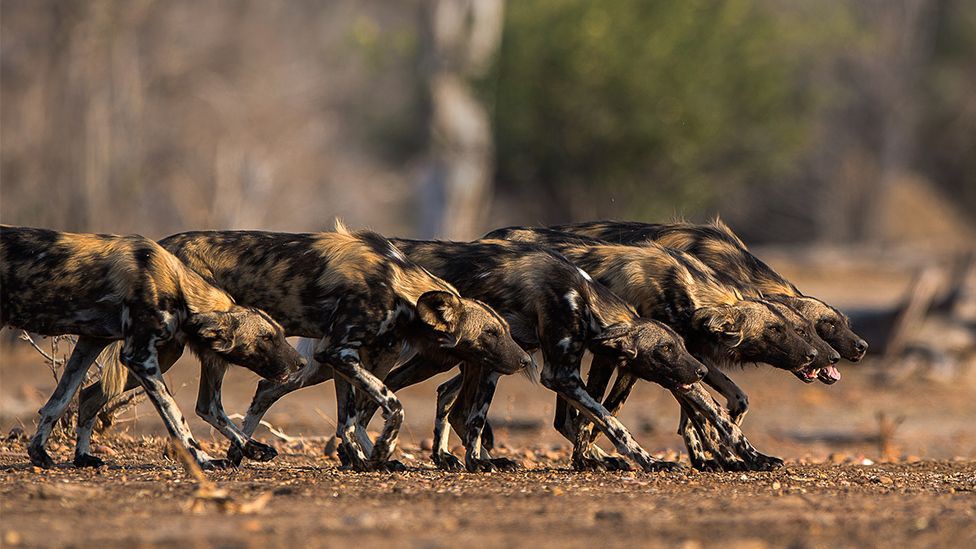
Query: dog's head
[[823, 367], [753, 331], [832, 326], [651, 351], [471, 331], [247, 337]]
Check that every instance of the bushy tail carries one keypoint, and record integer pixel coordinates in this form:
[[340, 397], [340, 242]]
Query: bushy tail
[[114, 373], [532, 372], [306, 348]]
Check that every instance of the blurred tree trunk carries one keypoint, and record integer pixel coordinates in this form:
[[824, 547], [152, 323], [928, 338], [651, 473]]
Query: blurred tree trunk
[[462, 38], [905, 34]]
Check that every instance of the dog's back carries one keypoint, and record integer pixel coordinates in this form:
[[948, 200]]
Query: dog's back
[[714, 244], [55, 282]]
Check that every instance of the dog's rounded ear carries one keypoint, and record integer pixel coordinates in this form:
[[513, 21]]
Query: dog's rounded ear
[[723, 320], [440, 310], [217, 330], [617, 341]]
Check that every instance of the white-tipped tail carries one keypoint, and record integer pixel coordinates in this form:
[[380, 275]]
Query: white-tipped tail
[[306, 348], [114, 373], [532, 371]]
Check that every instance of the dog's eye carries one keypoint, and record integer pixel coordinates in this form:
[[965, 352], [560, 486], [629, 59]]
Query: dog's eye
[[667, 348]]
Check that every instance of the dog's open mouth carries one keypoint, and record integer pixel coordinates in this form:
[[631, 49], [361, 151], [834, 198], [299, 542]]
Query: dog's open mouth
[[807, 374], [829, 375]]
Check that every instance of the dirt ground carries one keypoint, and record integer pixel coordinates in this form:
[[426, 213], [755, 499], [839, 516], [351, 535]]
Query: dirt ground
[[851, 478]]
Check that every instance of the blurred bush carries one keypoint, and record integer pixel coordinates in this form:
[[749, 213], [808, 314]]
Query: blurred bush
[[661, 105]]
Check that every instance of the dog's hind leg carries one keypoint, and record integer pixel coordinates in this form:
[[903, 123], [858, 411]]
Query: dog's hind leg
[[84, 354]]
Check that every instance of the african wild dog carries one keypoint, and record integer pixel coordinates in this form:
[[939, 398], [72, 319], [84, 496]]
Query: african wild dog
[[105, 288], [361, 298], [718, 247], [556, 307], [720, 327]]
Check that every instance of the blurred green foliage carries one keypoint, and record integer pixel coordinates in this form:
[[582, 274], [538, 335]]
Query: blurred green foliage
[[660, 104]]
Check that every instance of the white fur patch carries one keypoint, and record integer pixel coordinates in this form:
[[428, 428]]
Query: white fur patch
[[349, 353], [584, 274], [387, 322], [572, 298], [565, 343], [395, 253]]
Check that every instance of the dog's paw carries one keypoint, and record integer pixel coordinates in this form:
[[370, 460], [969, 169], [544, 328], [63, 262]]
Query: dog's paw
[[87, 460], [39, 457], [259, 451], [390, 466], [708, 465], [614, 463], [505, 464], [235, 454], [477, 465], [215, 464], [661, 465], [762, 462], [447, 462], [588, 463]]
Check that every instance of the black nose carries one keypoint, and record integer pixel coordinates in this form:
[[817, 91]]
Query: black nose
[[861, 346], [701, 371], [811, 354], [834, 357], [526, 361]]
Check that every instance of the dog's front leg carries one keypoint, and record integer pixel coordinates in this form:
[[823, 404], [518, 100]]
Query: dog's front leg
[[703, 441], [729, 434], [476, 457], [269, 392], [736, 400], [564, 378], [211, 409], [447, 396], [92, 399], [585, 452], [146, 370], [345, 360]]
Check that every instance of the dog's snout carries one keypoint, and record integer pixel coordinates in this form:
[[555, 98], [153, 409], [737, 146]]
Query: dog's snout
[[700, 372], [811, 355], [525, 361], [861, 346], [834, 357]]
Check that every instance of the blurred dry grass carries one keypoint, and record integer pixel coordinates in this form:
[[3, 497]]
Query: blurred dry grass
[[157, 116]]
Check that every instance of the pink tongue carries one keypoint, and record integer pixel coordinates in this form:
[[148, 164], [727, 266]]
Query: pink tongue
[[833, 373]]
